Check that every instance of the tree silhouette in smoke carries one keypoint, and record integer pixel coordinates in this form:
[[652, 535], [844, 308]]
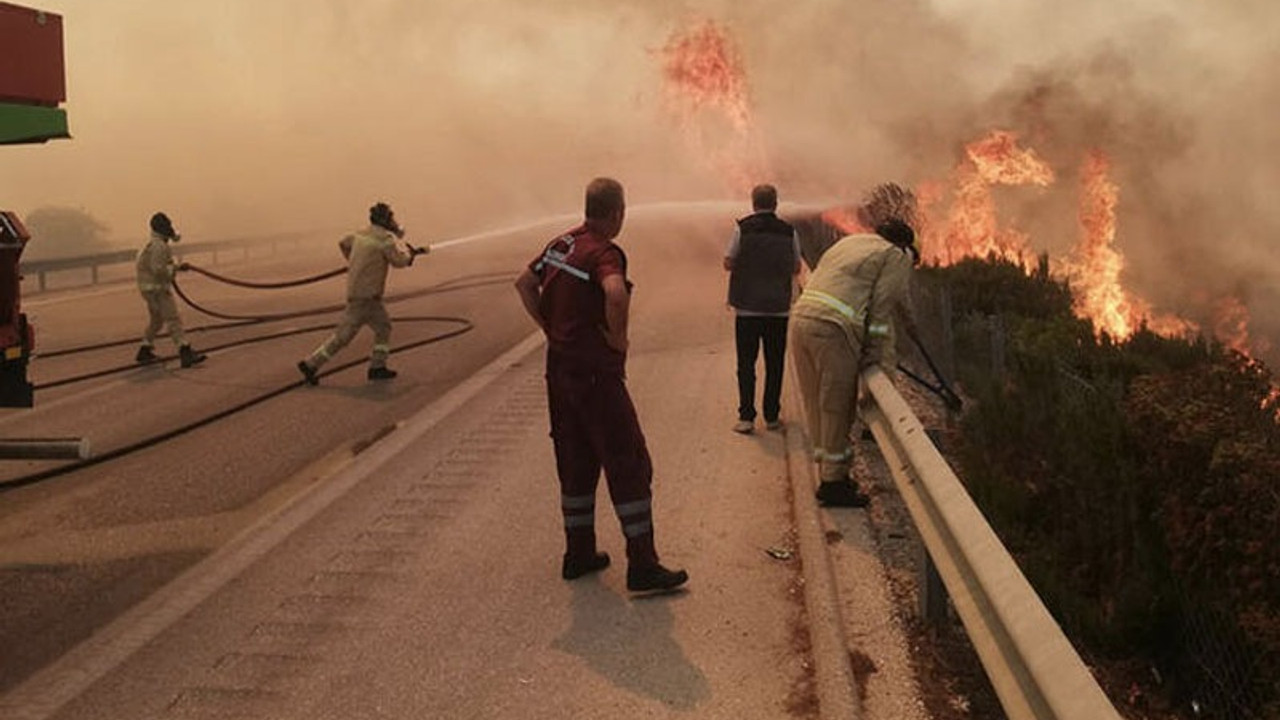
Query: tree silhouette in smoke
[[64, 231]]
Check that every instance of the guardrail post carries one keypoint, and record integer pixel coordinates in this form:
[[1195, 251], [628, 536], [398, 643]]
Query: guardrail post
[[933, 593], [42, 280], [93, 274], [996, 324], [1035, 671], [948, 344]]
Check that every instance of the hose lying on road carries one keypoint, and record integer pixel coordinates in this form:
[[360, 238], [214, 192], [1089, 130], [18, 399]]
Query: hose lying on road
[[452, 285], [463, 324]]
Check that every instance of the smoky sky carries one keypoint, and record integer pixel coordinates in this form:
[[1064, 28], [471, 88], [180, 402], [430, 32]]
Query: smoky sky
[[241, 117]]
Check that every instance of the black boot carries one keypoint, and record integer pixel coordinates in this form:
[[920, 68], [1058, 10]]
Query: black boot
[[580, 554], [146, 355], [381, 373], [190, 357], [645, 578], [644, 572], [835, 493], [575, 567]]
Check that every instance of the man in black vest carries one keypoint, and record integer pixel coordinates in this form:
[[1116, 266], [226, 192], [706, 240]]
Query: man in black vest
[[762, 260]]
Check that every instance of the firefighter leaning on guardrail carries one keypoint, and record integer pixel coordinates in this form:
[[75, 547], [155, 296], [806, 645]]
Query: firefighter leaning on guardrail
[[369, 253], [843, 324], [155, 270]]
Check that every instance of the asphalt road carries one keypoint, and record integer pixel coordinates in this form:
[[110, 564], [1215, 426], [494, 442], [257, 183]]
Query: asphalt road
[[79, 549]]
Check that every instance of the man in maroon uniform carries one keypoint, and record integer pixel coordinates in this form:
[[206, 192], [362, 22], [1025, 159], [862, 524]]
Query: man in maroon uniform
[[578, 293]]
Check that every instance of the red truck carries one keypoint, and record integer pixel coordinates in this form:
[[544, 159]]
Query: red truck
[[32, 86]]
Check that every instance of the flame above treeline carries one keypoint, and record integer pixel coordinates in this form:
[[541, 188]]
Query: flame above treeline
[[970, 227], [708, 93]]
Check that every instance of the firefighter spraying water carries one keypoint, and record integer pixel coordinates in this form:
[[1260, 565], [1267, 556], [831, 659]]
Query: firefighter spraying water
[[370, 253]]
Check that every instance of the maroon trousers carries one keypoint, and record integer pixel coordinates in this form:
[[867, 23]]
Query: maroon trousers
[[593, 427]]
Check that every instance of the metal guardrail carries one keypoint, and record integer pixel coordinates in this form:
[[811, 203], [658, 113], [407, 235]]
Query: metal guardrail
[[42, 268], [1035, 671]]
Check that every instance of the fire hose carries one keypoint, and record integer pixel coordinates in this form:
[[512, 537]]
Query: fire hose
[[941, 388], [413, 251], [262, 285], [73, 449]]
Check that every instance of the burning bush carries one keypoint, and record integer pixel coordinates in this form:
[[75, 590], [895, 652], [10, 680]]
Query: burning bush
[[1135, 480]]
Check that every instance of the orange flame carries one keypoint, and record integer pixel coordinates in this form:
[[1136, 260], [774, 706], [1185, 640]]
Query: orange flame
[[704, 70], [706, 83], [844, 219], [971, 228], [1096, 266], [1231, 324], [1096, 276], [708, 94], [999, 160]]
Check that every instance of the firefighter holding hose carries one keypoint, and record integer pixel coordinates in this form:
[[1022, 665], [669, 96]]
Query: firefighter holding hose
[[843, 324], [369, 254], [155, 270]]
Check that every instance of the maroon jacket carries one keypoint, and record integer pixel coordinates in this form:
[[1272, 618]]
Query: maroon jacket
[[570, 271]]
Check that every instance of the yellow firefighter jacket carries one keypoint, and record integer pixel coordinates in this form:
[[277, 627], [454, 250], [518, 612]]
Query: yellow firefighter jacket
[[369, 253], [155, 265], [859, 284]]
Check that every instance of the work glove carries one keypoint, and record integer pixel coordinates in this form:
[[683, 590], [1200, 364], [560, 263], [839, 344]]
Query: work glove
[[414, 252]]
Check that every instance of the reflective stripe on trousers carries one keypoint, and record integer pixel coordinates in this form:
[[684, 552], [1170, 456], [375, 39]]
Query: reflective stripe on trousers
[[358, 313], [826, 366], [594, 428], [579, 511]]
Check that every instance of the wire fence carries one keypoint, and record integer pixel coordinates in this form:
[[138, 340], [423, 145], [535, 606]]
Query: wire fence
[[1195, 651]]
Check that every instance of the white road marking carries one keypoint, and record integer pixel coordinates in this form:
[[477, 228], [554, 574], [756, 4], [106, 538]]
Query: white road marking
[[72, 296], [46, 692]]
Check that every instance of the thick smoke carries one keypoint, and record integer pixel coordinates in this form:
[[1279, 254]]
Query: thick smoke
[[1179, 94], [239, 118]]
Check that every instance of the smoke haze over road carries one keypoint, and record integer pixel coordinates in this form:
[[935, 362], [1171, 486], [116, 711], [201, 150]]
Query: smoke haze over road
[[243, 117]]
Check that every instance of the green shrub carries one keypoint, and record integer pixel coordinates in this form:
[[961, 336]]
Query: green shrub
[[1136, 481]]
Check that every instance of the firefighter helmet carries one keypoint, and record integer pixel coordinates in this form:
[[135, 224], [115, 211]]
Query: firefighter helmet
[[382, 216], [163, 226], [899, 233]]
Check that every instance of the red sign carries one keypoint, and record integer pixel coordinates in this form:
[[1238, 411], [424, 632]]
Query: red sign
[[31, 66]]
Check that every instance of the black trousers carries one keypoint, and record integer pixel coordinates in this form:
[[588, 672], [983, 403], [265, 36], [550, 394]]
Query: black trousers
[[751, 332]]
